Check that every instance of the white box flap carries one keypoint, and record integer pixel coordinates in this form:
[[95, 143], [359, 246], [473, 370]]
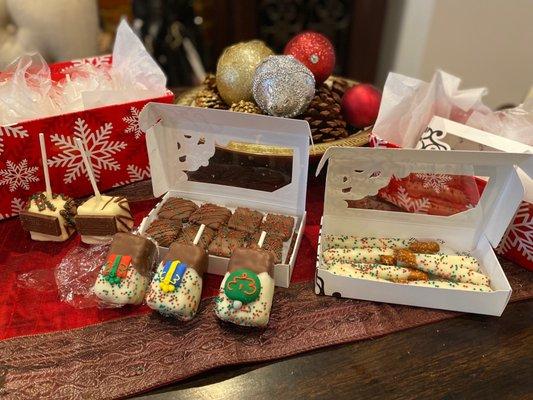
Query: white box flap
[[182, 140], [355, 173]]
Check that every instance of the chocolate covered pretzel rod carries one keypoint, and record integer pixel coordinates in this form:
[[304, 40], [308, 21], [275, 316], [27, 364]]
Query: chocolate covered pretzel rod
[[387, 272], [344, 269], [347, 241], [367, 256]]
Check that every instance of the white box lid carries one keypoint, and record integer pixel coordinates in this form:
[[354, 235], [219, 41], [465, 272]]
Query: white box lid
[[355, 173], [181, 139]]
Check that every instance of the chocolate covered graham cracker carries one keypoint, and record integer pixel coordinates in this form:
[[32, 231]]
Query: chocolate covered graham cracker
[[272, 243], [188, 234], [163, 231], [244, 219], [280, 225], [177, 208], [213, 216], [226, 241]]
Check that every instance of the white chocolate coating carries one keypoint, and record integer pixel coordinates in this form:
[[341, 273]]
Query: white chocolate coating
[[348, 270], [368, 256], [256, 313], [348, 241], [388, 272], [106, 207], [183, 302], [59, 204], [451, 285], [131, 289], [456, 268]]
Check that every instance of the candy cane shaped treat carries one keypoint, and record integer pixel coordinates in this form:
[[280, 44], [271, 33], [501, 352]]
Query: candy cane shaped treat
[[125, 275], [176, 288], [247, 290], [451, 285], [46, 215], [456, 268]]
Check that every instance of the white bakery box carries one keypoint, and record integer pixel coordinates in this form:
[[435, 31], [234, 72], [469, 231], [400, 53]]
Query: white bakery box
[[354, 173], [187, 145]]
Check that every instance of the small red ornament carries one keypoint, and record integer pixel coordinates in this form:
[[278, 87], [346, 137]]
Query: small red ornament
[[315, 51], [360, 105]]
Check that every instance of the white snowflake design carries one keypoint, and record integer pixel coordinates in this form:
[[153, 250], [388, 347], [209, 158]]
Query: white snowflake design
[[101, 150], [402, 199], [135, 174], [17, 205], [519, 234], [18, 175], [15, 131], [97, 62], [436, 182], [133, 123]]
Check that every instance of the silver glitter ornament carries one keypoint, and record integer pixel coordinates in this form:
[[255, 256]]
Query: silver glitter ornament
[[283, 86]]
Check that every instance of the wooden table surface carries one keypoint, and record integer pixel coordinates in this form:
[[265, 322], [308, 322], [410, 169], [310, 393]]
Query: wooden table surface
[[468, 357]]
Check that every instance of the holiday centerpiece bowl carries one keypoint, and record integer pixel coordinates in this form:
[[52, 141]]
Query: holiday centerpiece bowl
[[356, 138]]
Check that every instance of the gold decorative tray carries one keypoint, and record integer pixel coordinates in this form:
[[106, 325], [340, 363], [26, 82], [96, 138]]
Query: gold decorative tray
[[356, 139]]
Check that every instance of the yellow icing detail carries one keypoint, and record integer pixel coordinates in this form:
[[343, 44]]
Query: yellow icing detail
[[166, 286]]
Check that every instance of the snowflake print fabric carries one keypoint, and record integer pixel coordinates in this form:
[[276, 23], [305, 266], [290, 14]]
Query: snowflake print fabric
[[18, 175]]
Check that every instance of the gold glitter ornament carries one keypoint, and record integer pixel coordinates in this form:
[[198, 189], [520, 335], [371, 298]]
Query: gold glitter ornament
[[235, 70]]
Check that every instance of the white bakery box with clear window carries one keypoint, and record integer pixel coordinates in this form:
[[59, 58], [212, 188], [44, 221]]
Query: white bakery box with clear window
[[233, 160], [359, 173]]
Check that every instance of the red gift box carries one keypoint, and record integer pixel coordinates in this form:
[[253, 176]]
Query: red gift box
[[116, 145]]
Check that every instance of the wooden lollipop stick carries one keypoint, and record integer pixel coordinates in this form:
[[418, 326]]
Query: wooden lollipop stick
[[261, 239], [45, 166], [89, 169], [198, 234]]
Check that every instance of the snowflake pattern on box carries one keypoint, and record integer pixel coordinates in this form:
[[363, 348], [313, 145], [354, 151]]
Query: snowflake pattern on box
[[17, 205], [135, 174], [11, 131], [101, 151], [402, 199], [133, 123], [435, 182], [98, 62], [18, 175], [519, 234]]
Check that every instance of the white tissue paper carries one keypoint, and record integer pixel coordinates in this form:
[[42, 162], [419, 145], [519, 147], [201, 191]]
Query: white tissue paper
[[27, 91]]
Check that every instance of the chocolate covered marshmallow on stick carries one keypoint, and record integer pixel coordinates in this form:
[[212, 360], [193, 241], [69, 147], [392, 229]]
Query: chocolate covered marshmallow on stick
[[48, 216], [176, 288], [126, 273], [100, 217], [247, 290]]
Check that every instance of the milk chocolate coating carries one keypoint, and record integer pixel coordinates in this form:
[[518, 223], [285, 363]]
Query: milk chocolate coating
[[194, 256], [141, 250], [255, 260], [177, 209], [96, 225], [45, 224]]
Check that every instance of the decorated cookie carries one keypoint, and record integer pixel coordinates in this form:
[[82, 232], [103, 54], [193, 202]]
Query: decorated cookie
[[49, 218], [177, 209], [244, 219], [164, 231], [281, 225], [125, 275], [100, 217], [247, 290], [213, 216], [176, 288]]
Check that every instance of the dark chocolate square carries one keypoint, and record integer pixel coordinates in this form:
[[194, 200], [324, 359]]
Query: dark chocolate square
[[39, 223], [96, 225]]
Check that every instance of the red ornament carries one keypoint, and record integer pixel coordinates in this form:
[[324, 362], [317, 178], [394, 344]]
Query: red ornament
[[315, 51], [360, 105]]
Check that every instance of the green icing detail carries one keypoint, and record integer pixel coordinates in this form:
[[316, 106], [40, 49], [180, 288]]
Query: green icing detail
[[242, 285], [112, 277]]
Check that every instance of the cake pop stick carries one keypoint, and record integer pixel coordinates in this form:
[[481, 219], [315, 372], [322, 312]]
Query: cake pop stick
[[176, 288], [48, 216], [100, 217], [247, 290]]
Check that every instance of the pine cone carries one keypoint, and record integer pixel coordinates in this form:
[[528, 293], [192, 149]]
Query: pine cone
[[208, 98], [246, 107], [324, 116], [210, 82], [339, 86]]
